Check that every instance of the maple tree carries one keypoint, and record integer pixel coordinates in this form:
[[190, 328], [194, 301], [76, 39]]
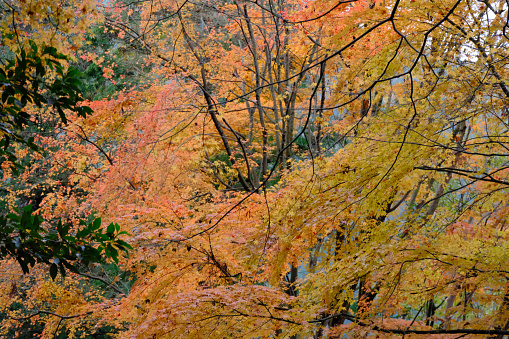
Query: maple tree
[[289, 169]]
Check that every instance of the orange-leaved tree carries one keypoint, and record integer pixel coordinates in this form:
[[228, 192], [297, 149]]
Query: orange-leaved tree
[[299, 169]]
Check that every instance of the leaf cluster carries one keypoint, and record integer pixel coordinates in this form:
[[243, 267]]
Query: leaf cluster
[[23, 237], [35, 76]]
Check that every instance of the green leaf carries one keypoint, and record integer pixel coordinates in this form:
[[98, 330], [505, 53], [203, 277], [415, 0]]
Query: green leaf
[[62, 229], [96, 224], [83, 233], [111, 228], [123, 244], [112, 253], [53, 271], [50, 50], [23, 263]]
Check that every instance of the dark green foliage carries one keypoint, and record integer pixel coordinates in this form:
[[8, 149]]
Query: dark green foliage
[[23, 80], [23, 238]]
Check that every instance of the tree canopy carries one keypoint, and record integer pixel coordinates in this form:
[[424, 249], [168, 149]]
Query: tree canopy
[[277, 169]]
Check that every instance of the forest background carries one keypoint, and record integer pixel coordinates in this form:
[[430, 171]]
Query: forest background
[[254, 169]]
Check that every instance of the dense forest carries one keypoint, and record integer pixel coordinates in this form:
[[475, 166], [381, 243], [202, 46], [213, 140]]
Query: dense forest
[[254, 169]]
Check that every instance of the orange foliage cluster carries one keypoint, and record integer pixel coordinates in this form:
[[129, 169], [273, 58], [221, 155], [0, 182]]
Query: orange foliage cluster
[[305, 169]]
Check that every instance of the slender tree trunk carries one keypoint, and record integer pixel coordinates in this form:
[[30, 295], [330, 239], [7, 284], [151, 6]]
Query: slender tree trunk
[[254, 52]]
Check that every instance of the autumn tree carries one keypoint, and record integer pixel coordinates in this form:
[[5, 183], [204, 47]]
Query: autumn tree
[[297, 169], [395, 86]]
